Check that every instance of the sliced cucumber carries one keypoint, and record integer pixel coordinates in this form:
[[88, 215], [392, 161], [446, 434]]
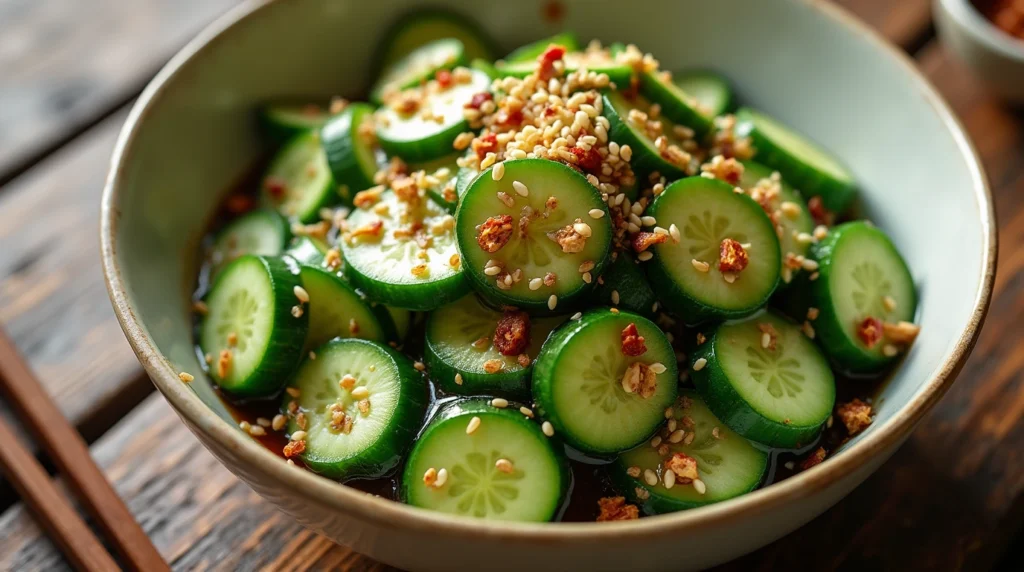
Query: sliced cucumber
[[417, 269], [428, 132], [711, 91], [859, 267], [476, 482], [624, 286], [792, 225], [348, 141], [529, 52], [252, 330], [676, 104], [597, 61], [418, 66], [336, 310], [484, 66], [360, 441], [460, 342], [580, 382], [525, 250], [646, 157], [402, 319], [308, 250], [424, 25], [445, 170], [286, 119], [805, 165], [262, 232], [728, 465], [464, 178], [779, 395], [707, 212], [298, 182]]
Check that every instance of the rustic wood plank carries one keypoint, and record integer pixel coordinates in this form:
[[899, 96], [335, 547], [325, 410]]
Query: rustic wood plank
[[66, 63], [905, 22]]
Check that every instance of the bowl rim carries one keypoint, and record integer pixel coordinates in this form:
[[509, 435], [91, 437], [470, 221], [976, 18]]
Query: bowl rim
[[389, 514], [976, 25]]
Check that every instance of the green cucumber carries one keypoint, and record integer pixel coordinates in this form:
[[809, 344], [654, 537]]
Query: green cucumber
[[803, 164], [484, 66], [464, 178], [529, 52], [298, 182], [460, 348], [413, 136], [262, 232], [711, 91], [476, 482], [417, 67], [348, 141], [728, 466], [531, 253], [424, 25], [708, 213], [308, 250], [580, 382], [624, 286], [337, 310], [645, 155], [402, 320], [766, 380], [371, 443], [676, 104], [254, 327], [597, 61], [390, 268], [284, 120], [792, 226]]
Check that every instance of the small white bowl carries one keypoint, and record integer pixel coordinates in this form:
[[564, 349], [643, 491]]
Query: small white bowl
[[995, 57]]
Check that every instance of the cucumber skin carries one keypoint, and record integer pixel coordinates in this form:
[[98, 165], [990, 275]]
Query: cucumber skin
[[377, 91], [433, 147], [731, 409], [307, 250], [547, 361], [280, 132], [835, 195], [512, 385], [329, 196], [475, 406], [626, 277], [529, 52], [276, 217], [339, 137], [692, 311], [387, 452], [672, 106], [422, 297], [617, 74], [386, 54], [644, 160], [379, 311], [727, 105], [288, 333]]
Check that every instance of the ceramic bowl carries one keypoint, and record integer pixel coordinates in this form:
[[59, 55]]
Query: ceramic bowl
[[993, 55], [192, 134]]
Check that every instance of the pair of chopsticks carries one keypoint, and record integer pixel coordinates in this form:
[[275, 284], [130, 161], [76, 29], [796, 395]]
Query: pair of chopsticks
[[71, 455]]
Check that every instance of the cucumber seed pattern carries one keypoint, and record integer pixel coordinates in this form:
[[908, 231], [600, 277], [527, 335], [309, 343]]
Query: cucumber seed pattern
[[242, 311], [779, 374], [601, 381], [872, 288], [481, 487], [705, 234]]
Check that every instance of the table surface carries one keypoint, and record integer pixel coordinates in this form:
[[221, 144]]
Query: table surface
[[951, 498]]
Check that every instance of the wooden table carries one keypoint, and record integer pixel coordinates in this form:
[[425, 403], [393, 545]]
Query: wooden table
[[952, 497]]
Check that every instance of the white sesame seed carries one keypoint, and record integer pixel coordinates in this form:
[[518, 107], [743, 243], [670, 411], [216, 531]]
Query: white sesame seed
[[650, 478], [820, 232], [669, 479], [499, 403], [498, 171], [766, 340], [808, 329], [474, 424], [633, 228], [889, 350], [244, 426], [699, 486], [536, 283], [645, 256], [889, 302], [649, 221], [547, 428], [658, 367], [699, 364], [576, 316], [520, 189], [583, 229], [301, 294], [504, 465], [615, 297], [186, 377], [278, 422], [360, 393], [596, 213], [790, 209], [809, 265], [587, 277], [660, 230], [804, 238], [676, 436], [257, 431], [458, 379], [626, 152], [299, 436], [790, 465], [442, 478], [526, 411], [552, 302], [700, 265], [430, 476], [656, 441], [492, 270]]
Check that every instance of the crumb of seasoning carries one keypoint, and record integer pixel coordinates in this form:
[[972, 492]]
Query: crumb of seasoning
[[855, 415], [616, 508], [294, 448], [186, 377], [732, 256], [813, 459], [640, 379], [512, 334], [632, 342]]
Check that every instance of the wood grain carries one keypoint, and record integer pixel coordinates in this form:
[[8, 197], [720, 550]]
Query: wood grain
[[66, 63]]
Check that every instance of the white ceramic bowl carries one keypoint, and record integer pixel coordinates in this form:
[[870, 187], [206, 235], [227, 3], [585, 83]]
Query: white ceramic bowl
[[994, 56], [191, 135]]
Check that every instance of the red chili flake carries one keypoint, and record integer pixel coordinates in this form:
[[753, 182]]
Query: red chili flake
[[855, 415], [275, 187], [238, 204], [684, 466], [817, 208], [587, 159], [485, 144], [632, 341], [731, 256], [546, 67], [494, 233], [616, 508], [371, 229], [644, 240], [870, 331], [294, 448], [513, 333], [444, 78], [549, 111], [510, 118], [479, 99], [813, 459]]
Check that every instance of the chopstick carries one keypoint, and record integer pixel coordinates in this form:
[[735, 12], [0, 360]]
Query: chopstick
[[71, 455], [53, 512]]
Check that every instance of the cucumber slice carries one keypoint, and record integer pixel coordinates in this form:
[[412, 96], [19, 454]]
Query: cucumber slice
[[308, 250], [464, 178], [707, 212], [414, 137], [531, 252], [858, 268], [578, 382], [778, 395], [791, 225], [250, 330], [402, 320], [529, 488], [459, 341], [728, 466], [676, 104], [625, 286], [336, 310], [597, 61], [262, 232], [287, 119], [422, 26], [365, 442], [298, 182], [646, 157], [484, 66], [390, 268], [348, 142], [805, 165], [712, 92], [529, 52], [417, 67], [445, 170]]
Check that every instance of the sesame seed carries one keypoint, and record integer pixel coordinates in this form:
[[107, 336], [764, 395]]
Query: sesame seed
[[498, 171], [659, 230], [615, 296], [658, 368], [474, 424], [552, 302], [673, 231], [625, 152], [649, 221], [790, 209], [804, 238], [650, 478], [669, 412], [419, 366], [301, 294], [689, 438], [645, 256], [576, 316], [347, 382], [699, 486], [492, 270], [257, 431], [820, 232], [676, 436], [669, 479], [596, 213], [548, 429], [499, 403], [186, 377], [244, 426], [814, 276], [442, 478], [889, 350], [458, 379], [430, 477], [360, 392], [828, 423], [278, 422], [699, 364], [699, 265], [299, 436], [656, 441], [526, 411], [520, 189], [536, 283], [583, 229], [812, 313], [263, 422], [809, 265], [729, 277], [808, 329], [766, 340], [889, 302], [296, 311], [504, 465], [587, 277]]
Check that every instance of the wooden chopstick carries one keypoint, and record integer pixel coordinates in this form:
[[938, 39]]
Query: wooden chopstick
[[52, 511], [71, 455]]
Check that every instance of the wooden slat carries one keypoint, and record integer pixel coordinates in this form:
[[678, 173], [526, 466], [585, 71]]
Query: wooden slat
[[65, 63]]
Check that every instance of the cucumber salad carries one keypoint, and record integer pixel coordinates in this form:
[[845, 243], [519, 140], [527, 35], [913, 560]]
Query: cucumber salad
[[568, 277]]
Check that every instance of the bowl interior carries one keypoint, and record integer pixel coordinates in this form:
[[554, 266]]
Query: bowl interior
[[195, 135]]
